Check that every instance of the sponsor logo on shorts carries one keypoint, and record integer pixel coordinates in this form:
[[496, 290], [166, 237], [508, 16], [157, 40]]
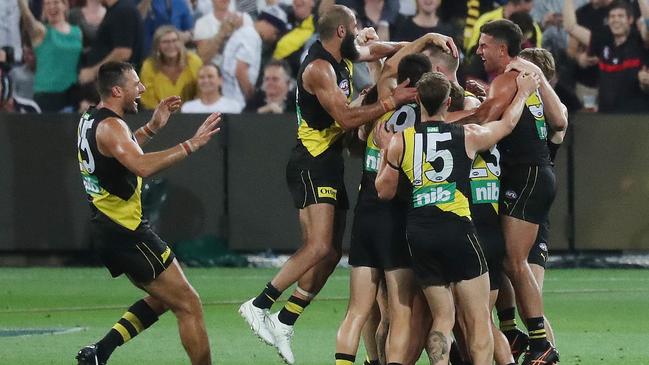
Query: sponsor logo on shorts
[[543, 246], [485, 191], [433, 195], [165, 255], [327, 192], [511, 194]]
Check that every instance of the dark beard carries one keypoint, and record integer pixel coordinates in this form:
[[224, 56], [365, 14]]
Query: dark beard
[[348, 48]]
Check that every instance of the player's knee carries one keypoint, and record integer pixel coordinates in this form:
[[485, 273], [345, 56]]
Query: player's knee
[[481, 343], [189, 303], [333, 256], [514, 267]]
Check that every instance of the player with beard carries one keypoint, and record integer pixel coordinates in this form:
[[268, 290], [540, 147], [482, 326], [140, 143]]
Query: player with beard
[[527, 180], [315, 169], [112, 167]]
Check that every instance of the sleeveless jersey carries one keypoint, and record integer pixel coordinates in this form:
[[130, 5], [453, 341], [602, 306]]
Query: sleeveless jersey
[[317, 131], [437, 166], [396, 120], [112, 189], [527, 145], [485, 187]]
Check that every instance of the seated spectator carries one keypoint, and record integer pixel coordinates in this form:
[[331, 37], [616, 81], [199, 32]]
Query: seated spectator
[[275, 95], [22, 75], [12, 103], [409, 28], [170, 70], [242, 53], [57, 46], [156, 13], [10, 29], [291, 46], [88, 16], [210, 99], [212, 30], [621, 55], [502, 12]]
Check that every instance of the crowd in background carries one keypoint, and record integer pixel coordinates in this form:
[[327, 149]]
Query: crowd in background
[[234, 56]]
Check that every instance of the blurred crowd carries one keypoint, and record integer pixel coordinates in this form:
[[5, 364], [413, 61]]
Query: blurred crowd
[[234, 56]]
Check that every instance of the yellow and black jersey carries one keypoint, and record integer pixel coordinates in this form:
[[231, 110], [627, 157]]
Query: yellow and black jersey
[[527, 144], [317, 131], [485, 187], [113, 190], [437, 166]]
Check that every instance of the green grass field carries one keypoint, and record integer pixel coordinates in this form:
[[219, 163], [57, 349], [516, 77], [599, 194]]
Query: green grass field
[[601, 317]]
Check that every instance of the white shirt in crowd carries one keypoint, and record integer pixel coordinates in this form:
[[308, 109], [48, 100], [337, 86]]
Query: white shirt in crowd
[[10, 27], [244, 45], [223, 105], [208, 26]]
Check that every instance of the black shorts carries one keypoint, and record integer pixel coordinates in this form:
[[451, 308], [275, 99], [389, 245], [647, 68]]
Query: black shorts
[[140, 254], [539, 252], [493, 243], [317, 182], [378, 237], [445, 250], [527, 192]]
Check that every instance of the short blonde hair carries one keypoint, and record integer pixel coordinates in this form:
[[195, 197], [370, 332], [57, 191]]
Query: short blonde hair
[[543, 59], [156, 55]]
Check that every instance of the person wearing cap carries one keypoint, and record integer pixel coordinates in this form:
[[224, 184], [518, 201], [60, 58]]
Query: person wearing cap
[[242, 53], [10, 102]]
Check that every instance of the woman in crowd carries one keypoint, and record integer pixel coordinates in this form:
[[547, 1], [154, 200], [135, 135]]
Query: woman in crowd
[[170, 69], [88, 15], [57, 46], [210, 99]]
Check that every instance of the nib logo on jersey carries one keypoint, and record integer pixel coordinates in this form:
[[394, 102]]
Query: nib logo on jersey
[[485, 191], [433, 195], [535, 106], [372, 160]]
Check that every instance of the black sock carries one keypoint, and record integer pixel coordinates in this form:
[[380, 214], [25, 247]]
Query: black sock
[[292, 310], [507, 319], [138, 318], [536, 332], [371, 362], [344, 359], [267, 297]]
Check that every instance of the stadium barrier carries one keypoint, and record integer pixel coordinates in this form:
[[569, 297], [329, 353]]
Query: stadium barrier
[[235, 187]]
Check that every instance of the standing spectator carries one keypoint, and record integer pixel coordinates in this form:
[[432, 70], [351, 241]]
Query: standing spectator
[[119, 38], [170, 69], [275, 96], [12, 103], [57, 46], [473, 9], [293, 44], [10, 27], [210, 99], [212, 30], [409, 28], [22, 76], [156, 13], [620, 56], [378, 14], [88, 17]]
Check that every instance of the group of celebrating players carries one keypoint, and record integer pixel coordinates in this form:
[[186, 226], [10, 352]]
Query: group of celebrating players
[[452, 213]]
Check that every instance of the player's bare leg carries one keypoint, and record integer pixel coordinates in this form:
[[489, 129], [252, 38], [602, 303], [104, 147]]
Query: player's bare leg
[[502, 352], [442, 308], [472, 298], [539, 275], [420, 326], [384, 326], [369, 331], [506, 308], [401, 288]]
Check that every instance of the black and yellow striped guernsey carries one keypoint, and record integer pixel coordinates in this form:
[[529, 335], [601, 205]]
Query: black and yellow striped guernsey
[[317, 131], [437, 166], [112, 189], [485, 187]]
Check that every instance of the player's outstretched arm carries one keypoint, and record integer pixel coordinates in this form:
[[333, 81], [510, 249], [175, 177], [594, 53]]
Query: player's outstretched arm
[[387, 178], [114, 140], [159, 119], [480, 138], [501, 93], [319, 79]]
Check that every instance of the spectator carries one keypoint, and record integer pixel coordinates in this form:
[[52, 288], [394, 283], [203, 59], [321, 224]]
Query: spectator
[[409, 28], [10, 102], [57, 46], [156, 13], [119, 38], [170, 69], [22, 75], [275, 96], [378, 14], [10, 27], [502, 12], [88, 17], [620, 56], [242, 53], [473, 9], [210, 99], [271, 25], [213, 30], [293, 44]]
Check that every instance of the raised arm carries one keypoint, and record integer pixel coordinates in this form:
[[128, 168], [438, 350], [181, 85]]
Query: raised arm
[[209, 47], [501, 93], [114, 140], [582, 34], [387, 178], [480, 138], [35, 28], [159, 119], [644, 17], [319, 79]]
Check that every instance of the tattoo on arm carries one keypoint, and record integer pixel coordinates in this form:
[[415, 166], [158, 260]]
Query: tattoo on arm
[[437, 347]]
